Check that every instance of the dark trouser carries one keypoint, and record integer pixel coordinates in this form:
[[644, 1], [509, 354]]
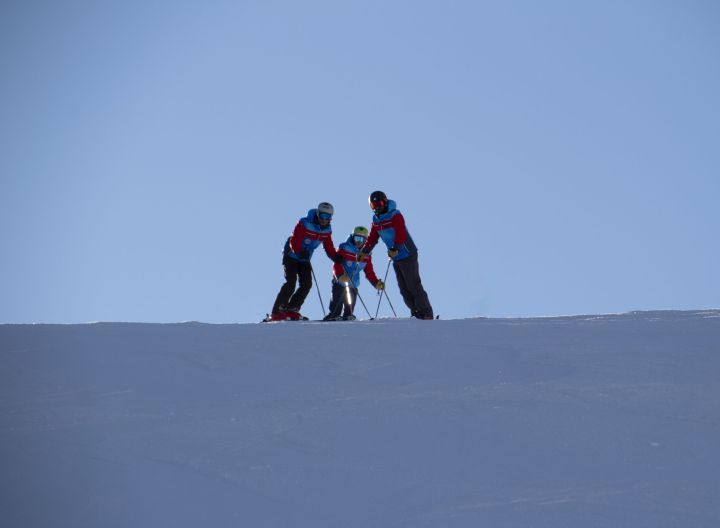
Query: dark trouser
[[407, 272], [288, 297], [339, 301]]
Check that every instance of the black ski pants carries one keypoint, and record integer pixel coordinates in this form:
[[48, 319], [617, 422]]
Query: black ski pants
[[407, 272], [288, 297], [339, 301]]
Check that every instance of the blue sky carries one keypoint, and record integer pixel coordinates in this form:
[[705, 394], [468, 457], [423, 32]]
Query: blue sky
[[550, 157]]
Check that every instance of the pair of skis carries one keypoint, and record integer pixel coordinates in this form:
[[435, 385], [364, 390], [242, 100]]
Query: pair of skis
[[268, 319]]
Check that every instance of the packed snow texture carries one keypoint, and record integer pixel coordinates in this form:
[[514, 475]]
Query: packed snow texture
[[589, 421]]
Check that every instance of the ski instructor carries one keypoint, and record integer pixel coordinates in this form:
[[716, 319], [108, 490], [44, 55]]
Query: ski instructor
[[388, 223], [309, 233]]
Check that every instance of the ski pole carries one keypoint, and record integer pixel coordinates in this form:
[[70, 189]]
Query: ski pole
[[384, 281], [388, 300], [363, 303], [318, 289]]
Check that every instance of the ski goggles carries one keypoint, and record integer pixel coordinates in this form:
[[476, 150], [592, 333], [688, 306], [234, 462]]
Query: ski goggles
[[325, 216], [378, 204], [359, 239]]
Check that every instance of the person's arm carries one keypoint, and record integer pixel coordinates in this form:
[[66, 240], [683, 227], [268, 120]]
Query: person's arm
[[297, 237], [372, 239], [370, 272], [339, 267], [330, 249], [401, 234]]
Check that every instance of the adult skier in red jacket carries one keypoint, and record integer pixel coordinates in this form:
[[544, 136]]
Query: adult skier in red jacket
[[310, 232], [389, 225]]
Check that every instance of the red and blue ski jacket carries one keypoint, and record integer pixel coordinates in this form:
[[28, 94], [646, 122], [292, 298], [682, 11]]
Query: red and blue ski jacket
[[307, 236], [351, 266], [390, 226]]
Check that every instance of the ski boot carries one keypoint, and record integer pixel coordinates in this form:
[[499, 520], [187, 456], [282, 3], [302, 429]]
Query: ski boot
[[293, 314]]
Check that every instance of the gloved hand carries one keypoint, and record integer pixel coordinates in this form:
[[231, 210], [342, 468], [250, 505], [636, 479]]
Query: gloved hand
[[338, 258], [304, 254], [344, 279], [380, 285], [393, 252], [361, 255]]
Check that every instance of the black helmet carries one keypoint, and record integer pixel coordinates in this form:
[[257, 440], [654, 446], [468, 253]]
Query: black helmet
[[378, 202]]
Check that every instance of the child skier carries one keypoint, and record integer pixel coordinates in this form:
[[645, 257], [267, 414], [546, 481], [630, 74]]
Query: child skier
[[346, 277]]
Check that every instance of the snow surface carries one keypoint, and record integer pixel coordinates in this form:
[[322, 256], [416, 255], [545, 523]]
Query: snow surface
[[588, 421]]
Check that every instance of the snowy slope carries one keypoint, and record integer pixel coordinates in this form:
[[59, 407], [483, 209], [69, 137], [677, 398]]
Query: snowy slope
[[597, 421]]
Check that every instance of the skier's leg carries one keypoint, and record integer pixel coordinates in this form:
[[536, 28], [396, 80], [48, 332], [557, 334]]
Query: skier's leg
[[305, 276], [290, 267], [349, 309], [403, 285], [410, 271], [336, 302]]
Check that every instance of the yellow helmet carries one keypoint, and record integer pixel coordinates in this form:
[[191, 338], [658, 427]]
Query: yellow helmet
[[360, 231]]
